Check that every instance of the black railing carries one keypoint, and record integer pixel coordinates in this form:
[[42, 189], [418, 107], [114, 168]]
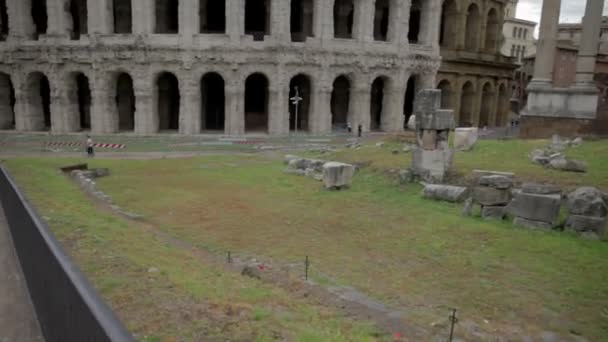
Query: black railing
[[67, 306]]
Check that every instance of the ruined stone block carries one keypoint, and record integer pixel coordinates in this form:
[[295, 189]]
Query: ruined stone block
[[544, 208], [487, 196], [337, 175]]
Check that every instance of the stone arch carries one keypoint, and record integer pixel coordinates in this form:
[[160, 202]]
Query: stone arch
[[39, 17], [410, 96], [492, 31], [413, 34], [257, 18], [122, 11], [344, 11], [79, 15], [473, 28], [213, 104], [38, 102], [301, 24], [340, 102], [467, 102], [446, 94], [256, 102], [125, 101], [212, 15], [7, 102], [78, 106], [502, 104], [3, 20], [168, 100], [381, 20], [487, 99], [304, 90], [166, 16], [449, 19], [379, 89]]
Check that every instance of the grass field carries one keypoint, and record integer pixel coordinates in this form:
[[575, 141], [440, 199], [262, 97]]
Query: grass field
[[384, 240]]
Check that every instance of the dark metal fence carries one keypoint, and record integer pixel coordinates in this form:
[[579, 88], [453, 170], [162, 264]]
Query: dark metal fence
[[67, 306]]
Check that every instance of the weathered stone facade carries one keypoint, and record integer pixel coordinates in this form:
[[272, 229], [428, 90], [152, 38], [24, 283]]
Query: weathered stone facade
[[192, 66], [474, 77]]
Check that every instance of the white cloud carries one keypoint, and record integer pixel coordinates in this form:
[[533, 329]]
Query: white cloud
[[572, 11]]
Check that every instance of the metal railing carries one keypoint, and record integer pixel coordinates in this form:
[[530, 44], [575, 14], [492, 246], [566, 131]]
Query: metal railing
[[67, 307]]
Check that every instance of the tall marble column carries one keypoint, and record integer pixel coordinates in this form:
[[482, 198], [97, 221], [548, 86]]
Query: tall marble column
[[143, 16], [430, 23], [59, 19], [146, 120], [235, 19], [359, 111], [100, 16], [324, 19], [278, 109], [280, 14], [585, 62], [547, 39], [394, 98], [188, 21], [190, 105], [363, 25], [21, 24], [235, 106], [104, 116]]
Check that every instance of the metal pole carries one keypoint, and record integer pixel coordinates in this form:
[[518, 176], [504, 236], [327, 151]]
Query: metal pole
[[306, 263], [453, 321], [297, 106]]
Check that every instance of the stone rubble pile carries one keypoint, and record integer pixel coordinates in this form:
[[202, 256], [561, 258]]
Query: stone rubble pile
[[447, 193], [334, 175], [536, 206], [492, 191], [553, 156], [587, 211]]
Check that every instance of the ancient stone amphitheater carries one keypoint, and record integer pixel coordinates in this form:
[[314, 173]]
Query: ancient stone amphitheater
[[226, 66]]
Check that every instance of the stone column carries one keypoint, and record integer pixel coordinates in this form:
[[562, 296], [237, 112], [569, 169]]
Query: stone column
[[104, 116], [359, 111], [320, 114], [394, 97], [59, 105], [143, 13], [235, 19], [21, 24], [402, 24], [146, 119], [190, 105], [363, 21], [100, 16], [278, 108], [430, 23], [280, 14], [235, 106], [545, 49], [585, 62], [324, 19], [188, 21], [427, 81], [59, 20]]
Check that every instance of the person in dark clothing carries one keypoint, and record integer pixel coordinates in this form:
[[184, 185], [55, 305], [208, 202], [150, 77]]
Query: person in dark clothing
[[90, 152], [360, 131]]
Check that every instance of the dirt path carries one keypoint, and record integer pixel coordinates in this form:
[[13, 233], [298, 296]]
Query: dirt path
[[18, 322]]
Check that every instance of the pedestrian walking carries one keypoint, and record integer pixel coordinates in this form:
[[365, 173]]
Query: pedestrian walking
[[360, 131], [90, 145]]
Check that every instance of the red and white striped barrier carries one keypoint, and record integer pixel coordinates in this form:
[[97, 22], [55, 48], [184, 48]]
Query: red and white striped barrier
[[81, 144]]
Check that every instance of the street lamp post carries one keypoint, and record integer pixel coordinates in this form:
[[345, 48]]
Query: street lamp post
[[295, 100]]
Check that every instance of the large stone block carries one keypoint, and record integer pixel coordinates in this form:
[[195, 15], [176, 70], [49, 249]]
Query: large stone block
[[496, 182], [540, 189], [434, 164], [587, 201], [337, 175], [569, 165], [439, 119], [445, 192], [481, 173], [531, 224], [465, 138], [544, 208], [487, 196], [493, 212], [580, 224]]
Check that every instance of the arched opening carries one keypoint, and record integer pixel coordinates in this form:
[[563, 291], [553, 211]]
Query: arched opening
[[168, 102], [473, 28], [413, 34], [410, 97], [256, 103], [167, 17], [79, 99], [344, 11], [38, 100], [257, 18], [7, 102], [381, 17], [40, 17], [78, 12], [377, 103], [492, 31], [123, 16], [212, 14], [449, 20], [466, 105], [213, 102], [486, 105], [301, 20], [125, 102], [340, 103], [303, 85], [446, 94], [3, 20], [502, 105]]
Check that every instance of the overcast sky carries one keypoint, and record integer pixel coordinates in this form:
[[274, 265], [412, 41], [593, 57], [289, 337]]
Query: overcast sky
[[572, 10]]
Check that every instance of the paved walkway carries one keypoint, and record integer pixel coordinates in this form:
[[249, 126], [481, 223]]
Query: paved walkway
[[17, 320]]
